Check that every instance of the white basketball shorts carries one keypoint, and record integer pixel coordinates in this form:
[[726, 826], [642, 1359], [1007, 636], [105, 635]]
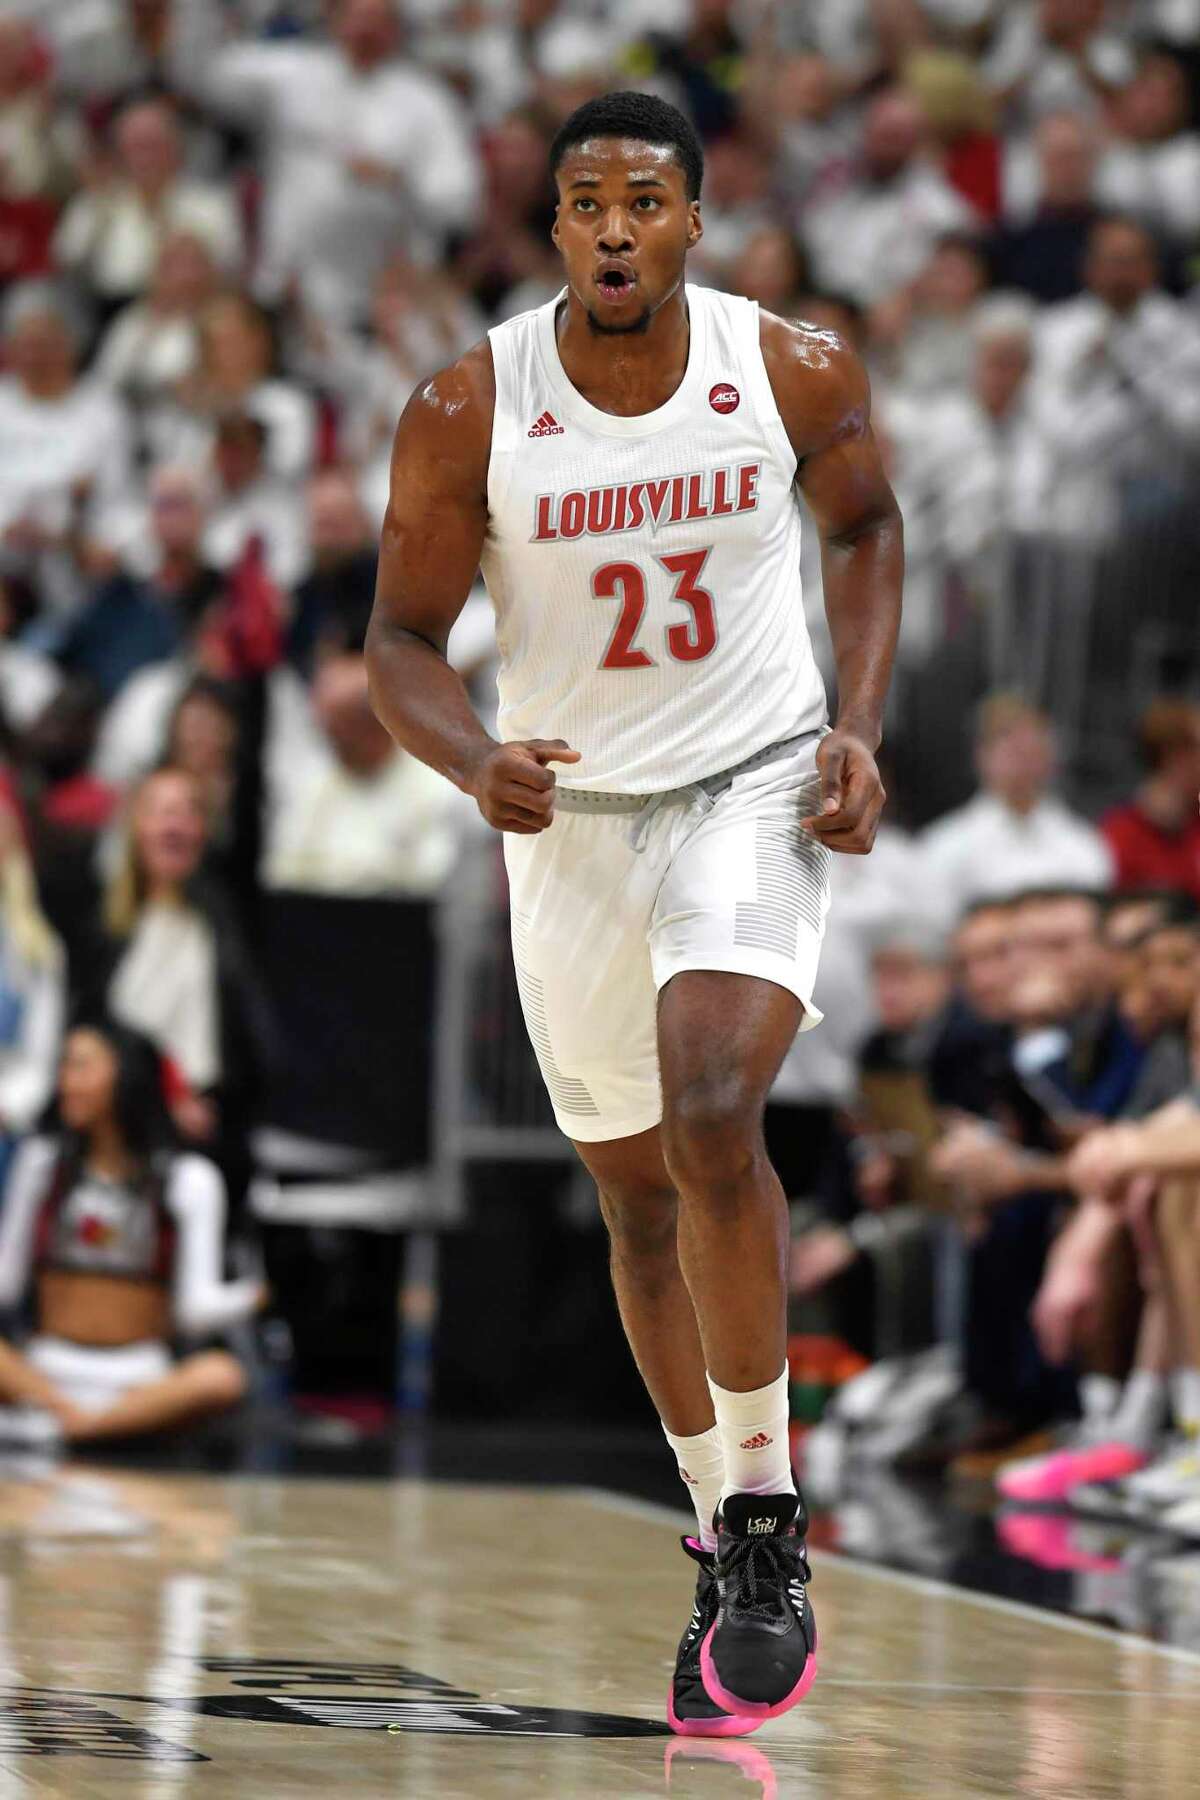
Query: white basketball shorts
[[94, 1378], [622, 892]]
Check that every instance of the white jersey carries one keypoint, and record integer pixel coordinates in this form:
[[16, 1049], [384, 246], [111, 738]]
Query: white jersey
[[646, 571]]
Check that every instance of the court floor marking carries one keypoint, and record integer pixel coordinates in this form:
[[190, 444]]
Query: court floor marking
[[927, 1585]]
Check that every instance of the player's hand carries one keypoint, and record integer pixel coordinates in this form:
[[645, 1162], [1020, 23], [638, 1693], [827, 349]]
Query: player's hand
[[852, 795], [513, 787]]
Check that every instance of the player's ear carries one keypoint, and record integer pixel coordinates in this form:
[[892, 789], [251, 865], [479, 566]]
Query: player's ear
[[554, 230], [695, 223]]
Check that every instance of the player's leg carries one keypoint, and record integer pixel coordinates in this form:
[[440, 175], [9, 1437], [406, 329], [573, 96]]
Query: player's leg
[[640, 1210], [722, 1038]]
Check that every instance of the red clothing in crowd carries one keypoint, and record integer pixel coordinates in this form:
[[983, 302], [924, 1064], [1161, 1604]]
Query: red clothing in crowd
[[1148, 855]]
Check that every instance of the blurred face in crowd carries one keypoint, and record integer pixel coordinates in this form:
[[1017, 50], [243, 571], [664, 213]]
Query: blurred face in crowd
[[805, 88], [238, 453], [176, 514], [623, 226], [983, 961], [1170, 971], [1154, 106], [952, 280], [1067, 159], [235, 344], [169, 830], [1070, 22], [18, 57], [87, 1080], [1179, 768], [203, 737], [1125, 925], [1002, 363], [515, 156], [1061, 963], [184, 275], [343, 709], [909, 987], [337, 522], [735, 174], [1121, 265], [147, 143], [1016, 763], [40, 352], [366, 30], [892, 135], [768, 269]]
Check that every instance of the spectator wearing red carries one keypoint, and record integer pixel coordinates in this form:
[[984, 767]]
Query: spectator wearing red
[[1155, 837]]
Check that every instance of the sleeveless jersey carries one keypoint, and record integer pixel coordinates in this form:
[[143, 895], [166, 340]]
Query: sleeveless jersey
[[646, 571]]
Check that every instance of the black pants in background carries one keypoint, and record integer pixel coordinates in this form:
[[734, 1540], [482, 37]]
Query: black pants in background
[[336, 1287]]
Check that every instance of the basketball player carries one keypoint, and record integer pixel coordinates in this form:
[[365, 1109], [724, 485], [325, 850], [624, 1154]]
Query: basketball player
[[623, 463]]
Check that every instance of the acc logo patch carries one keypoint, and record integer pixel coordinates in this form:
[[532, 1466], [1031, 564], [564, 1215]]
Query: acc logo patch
[[724, 398]]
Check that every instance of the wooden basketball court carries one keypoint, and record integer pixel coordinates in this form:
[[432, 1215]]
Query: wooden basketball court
[[168, 1636]]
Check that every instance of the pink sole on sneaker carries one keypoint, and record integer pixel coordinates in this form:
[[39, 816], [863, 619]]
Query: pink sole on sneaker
[[750, 1709], [732, 1725], [1053, 1477]]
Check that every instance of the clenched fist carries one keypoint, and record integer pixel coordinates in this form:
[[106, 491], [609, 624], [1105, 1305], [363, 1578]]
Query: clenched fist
[[512, 786]]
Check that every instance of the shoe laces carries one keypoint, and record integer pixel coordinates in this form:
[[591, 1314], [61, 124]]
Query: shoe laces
[[757, 1572]]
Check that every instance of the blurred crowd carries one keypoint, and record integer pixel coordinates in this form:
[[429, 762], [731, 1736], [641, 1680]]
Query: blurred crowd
[[234, 235]]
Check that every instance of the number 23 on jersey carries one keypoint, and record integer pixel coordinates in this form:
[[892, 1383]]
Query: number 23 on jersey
[[689, 640]]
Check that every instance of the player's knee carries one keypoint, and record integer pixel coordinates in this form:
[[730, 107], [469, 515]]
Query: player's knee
[[711, 1132], [641, 1219], [220, 1379]]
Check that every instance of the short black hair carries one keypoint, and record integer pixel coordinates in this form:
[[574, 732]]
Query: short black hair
[[645, 117]]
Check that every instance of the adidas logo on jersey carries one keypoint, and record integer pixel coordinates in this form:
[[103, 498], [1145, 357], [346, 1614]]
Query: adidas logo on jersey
[[546, 426], [759, 1441]]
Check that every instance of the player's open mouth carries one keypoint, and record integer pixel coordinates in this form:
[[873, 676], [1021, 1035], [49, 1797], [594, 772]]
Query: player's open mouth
[[614, 283]]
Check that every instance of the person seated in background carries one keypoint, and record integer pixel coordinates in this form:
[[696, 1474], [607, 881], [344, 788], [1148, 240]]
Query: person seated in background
[[1014, 835], [333, 603], [122, 1237], [136, 619], [236, 373], [32, 992], [1155, 836], [1152, 169], [154, 343], [172, 964], [65, 473], [1052, 209], [360, 816], [111, 233]]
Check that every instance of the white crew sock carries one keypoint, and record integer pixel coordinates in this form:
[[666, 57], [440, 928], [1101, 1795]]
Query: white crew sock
[[754, 1438], [1185, 1400], [1142, 1410], [701, 1470], [1099, 1397]]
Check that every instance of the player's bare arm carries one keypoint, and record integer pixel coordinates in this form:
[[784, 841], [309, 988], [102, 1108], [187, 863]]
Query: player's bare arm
[[432, 538], [824, 399]]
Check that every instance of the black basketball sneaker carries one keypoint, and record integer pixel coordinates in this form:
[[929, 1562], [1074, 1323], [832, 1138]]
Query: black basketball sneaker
[[759, 1655], [689, 1709]]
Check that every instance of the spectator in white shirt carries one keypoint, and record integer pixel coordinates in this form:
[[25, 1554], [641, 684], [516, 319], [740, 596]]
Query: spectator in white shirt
[[1153, 169], [1014, 835], [248, 501], [1056, 55], [361, 817], [154, 343], [65, 471], [111, 234], [877, 234], [365, 154], [235, 374], [1118, 384]]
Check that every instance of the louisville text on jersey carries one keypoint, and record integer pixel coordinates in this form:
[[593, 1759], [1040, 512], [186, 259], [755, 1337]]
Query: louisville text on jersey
[[639, 505]]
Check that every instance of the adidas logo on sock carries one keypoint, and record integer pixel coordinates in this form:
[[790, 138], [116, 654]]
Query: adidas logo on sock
[[759, 1441], [546, 426]]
